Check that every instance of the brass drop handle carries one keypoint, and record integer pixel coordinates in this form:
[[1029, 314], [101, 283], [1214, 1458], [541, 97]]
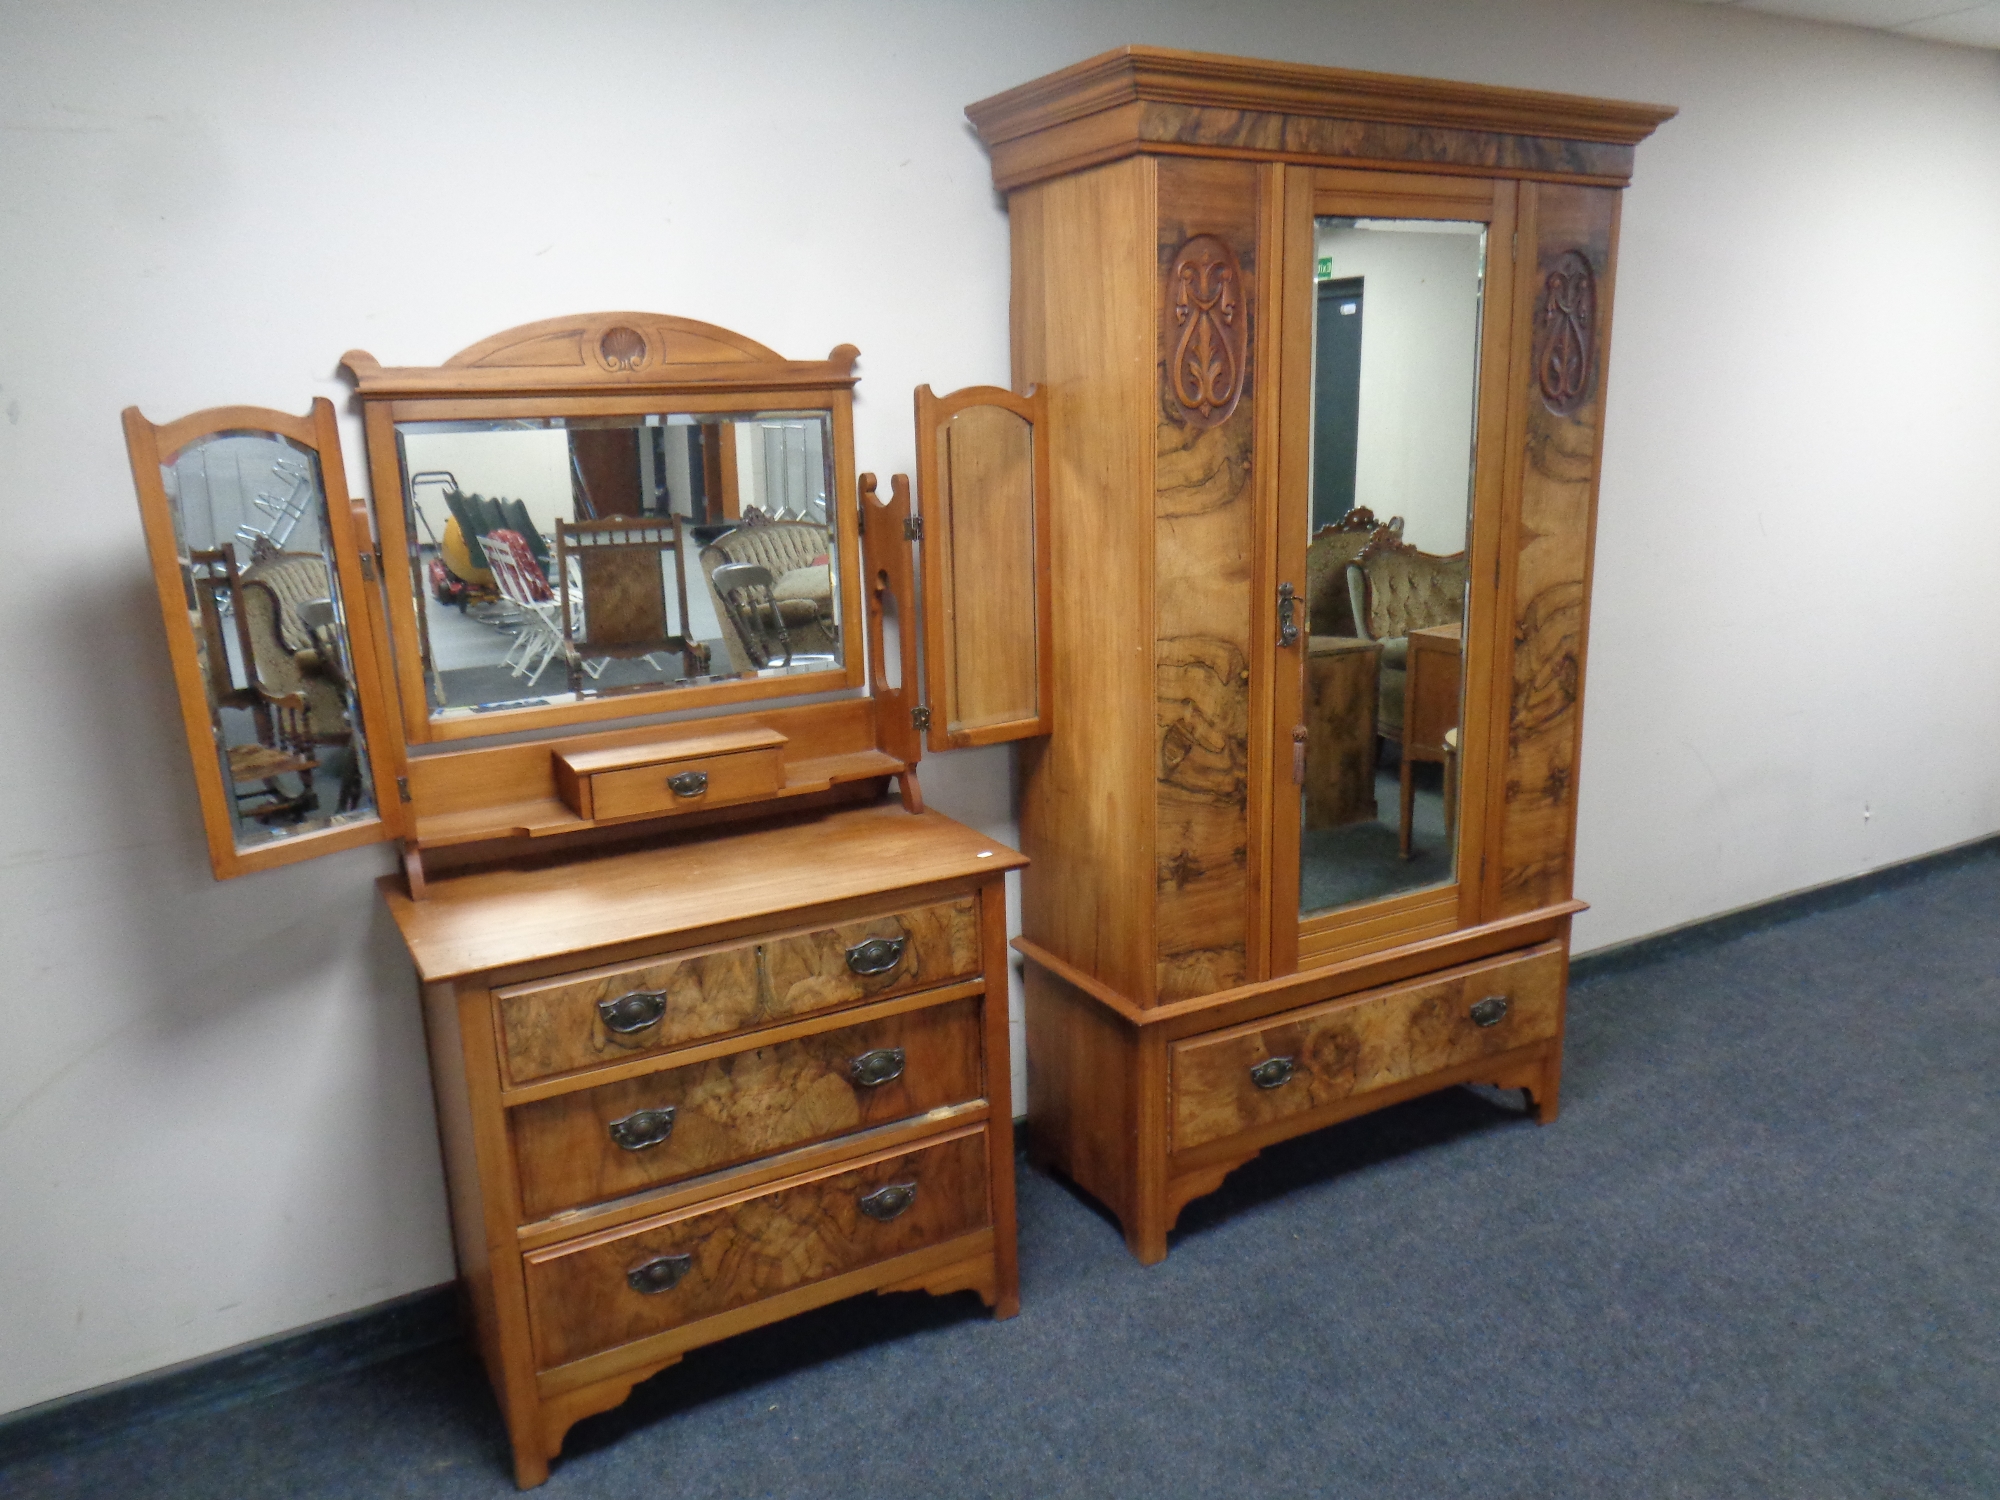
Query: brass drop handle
[[1490, 1011], [876, 956], [661, 1274], [1274, 1072], [688, 783], [885, 1203], [1288, 625], [873, 1069], [648, 1127], [634, 1012]]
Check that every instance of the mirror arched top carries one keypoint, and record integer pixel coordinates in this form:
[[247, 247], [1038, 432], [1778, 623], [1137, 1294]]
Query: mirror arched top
[[613, 515]]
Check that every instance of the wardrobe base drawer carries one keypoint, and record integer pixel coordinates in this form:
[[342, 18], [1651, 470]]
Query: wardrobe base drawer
[[1227, 1082], [611, 1289]]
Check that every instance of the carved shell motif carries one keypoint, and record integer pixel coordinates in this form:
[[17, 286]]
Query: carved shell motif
[[1566, 334], [622, 348], [1208, 328]]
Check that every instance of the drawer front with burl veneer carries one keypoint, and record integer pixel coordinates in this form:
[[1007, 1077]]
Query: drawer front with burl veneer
[[599, 1143], [610, 1289], [612, 1015], [1231, 1081]]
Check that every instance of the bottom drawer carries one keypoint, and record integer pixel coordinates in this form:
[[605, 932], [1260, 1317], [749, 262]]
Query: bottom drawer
[[1230, 1081], [642, 1279]]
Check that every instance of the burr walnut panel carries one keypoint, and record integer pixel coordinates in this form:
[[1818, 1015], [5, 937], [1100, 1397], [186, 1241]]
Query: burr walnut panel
[[585, 1296], [593, 1144], [1570, 297], [1229, 1082], [1204, 526], [616, 1014]]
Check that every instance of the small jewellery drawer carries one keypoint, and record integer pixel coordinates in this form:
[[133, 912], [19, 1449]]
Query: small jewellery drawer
[[1230, 1081], [672, 776], [599, 1143], [611, 1015], [683, 786], [609, 1289]]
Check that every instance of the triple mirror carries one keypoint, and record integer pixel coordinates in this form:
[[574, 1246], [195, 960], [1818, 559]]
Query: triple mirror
[[603, 517], [1396, 326]]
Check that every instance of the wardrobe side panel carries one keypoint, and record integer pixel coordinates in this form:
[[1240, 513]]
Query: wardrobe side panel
[[1204, 554], [1083, 327], [1567, 322]]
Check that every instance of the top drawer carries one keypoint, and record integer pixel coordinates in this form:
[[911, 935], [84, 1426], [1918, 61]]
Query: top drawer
[[610, 1015]]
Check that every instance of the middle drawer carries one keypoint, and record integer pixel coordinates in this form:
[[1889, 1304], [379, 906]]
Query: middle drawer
[[621, 1137]]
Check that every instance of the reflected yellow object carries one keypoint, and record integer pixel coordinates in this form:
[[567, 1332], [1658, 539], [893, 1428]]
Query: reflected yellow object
[[459, 560]]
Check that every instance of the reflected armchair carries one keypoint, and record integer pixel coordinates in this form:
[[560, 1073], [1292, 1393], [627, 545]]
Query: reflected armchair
[[1395, 592], [796, 555]]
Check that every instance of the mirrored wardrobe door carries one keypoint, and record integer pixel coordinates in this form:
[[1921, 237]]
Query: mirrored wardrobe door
[[270, 627], [1390, 404]]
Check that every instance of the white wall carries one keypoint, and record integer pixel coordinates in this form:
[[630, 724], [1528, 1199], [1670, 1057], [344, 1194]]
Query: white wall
[[214, 1116], [526, 464], [1420, 293]]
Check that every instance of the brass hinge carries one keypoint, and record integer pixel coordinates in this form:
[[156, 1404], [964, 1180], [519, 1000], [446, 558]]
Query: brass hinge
[[368, 566], [403, 787], [920, 715], [913, 528]]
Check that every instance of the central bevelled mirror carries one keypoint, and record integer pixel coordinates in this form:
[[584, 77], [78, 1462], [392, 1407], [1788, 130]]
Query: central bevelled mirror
[[555, 560], [1396, 334]]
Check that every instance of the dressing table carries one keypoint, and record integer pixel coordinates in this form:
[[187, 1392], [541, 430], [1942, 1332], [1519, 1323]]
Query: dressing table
[[716, 1009]]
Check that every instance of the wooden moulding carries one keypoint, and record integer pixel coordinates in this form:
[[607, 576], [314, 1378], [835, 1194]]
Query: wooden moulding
[[1344, 977], [1161, 101], [632, 351]]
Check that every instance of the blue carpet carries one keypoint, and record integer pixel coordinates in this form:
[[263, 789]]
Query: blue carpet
[[1755, 1257]]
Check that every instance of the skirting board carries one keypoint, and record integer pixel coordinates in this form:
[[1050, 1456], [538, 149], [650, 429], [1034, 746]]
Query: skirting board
[[428, 1318], [1710, 932], [264, 1367]]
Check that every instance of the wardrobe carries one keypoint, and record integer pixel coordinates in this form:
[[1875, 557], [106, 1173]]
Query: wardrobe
[[1299, 852]]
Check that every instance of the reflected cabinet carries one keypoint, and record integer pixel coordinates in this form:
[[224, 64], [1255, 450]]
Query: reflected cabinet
[[1325, 360]]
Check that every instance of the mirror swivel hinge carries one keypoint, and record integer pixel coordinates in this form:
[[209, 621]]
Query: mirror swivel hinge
[[920, 715], [368, 566], [913, 529], [403, 787]]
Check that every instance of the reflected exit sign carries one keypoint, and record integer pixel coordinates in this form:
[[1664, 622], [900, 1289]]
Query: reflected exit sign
[[1325, 272]]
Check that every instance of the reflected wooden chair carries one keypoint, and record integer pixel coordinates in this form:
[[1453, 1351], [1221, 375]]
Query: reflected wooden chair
[[611, 579], [296, 670]]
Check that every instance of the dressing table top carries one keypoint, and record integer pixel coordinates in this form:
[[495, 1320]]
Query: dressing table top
[[493, 919]]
